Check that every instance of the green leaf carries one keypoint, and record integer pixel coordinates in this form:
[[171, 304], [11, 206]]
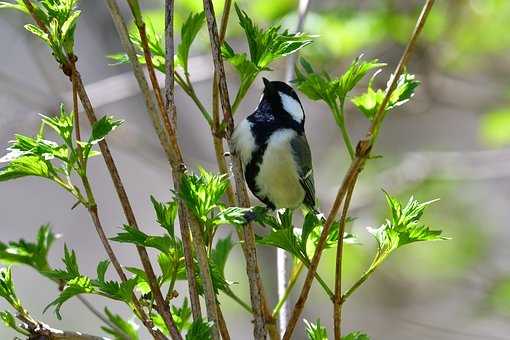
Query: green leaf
[[102, 267], [265, 46], [128, 327], [25, 166], [189, 31], [72, 270], [73, 287], [202, 193], [182, 316], [67, 32], [231, 215], [165, 215], [270, 44], [62, 124], [8, 320], [19, 6], [219, 255], [199, 330], [358, 69], [139, 238], [287, 239], [369, 102], [315, 331], [38, 32], [356, 336], [7, 290], [402, 228], [495, 127], [102, 128], [34, 254], [320, 86]]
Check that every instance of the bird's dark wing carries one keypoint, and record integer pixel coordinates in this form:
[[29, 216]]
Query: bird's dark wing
[[303, 158]]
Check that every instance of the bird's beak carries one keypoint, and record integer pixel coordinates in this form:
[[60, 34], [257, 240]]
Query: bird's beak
[[266, 81]]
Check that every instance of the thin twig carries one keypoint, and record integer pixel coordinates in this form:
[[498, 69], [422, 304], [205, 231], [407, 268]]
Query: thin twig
[[362, 153], [337, 301], [172, 113], [253, 271], [283, 258]]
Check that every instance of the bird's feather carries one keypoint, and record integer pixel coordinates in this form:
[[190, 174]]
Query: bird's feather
[[303, 158]]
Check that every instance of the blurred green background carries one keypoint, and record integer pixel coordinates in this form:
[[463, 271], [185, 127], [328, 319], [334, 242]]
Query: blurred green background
[[452, 141]]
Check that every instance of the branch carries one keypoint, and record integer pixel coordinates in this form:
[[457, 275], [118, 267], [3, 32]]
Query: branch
[[259, 306], [338, 301], [362, 153], [39, 330], [172, 113], [168, 140], [283, 258]]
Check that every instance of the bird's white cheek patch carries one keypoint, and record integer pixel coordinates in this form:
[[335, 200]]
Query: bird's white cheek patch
[[244, 140], [292, 106]]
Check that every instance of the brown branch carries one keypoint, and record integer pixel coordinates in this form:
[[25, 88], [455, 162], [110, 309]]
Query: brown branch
[[40, 330], [260, 310], [362, 153], [172, 113], [168, 140], [161, 305], [337, 301]]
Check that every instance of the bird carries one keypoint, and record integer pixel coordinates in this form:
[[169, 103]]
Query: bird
[[274, 151]]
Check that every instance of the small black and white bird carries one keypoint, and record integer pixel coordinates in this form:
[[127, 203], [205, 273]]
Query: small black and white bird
[[274, 151]]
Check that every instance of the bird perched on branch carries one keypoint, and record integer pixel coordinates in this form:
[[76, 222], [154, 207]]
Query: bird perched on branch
[[274, 150]]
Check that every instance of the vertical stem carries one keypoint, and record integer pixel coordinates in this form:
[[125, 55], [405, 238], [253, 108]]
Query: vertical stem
[[172, 113], [337, 301], [362, 153], [283, 258], [259, 306], [168, 140], [161, 305]]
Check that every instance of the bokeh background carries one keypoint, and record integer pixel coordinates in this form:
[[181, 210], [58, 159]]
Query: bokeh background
[[451, 142]]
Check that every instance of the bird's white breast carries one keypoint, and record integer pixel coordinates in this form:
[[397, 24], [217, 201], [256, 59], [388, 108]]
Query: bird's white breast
[[244, 140], [292, 106], [278, 177]]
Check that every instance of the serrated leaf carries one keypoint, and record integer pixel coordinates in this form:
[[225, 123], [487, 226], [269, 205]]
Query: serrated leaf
[[102, 128], [76, 286], [129, 328], [287, 239], [370, 101], [34, 254], [182, 316], [356, 71], [231, 215], [165, 215], [25, 166], [189, 31], [139, 238], [315, 331], [7, 290], [356, 336], [200, 330], [219, 255], [403, 227]]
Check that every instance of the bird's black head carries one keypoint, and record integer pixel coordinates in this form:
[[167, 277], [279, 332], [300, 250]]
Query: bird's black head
[[283, 100]]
